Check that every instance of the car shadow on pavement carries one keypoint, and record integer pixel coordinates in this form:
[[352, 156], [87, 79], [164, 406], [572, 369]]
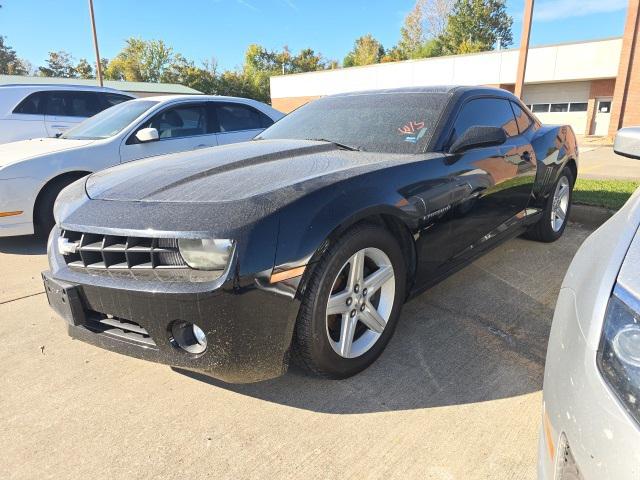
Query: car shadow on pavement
[[23, 245], [475, 337]]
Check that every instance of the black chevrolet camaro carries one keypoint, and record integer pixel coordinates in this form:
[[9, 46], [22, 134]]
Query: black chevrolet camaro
[[304, 243]]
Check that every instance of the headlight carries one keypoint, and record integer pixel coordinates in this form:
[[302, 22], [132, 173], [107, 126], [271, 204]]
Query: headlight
[[206, 253], [619, 354], [69, 199]]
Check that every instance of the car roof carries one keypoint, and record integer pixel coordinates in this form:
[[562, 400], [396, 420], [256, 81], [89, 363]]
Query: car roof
[[215, 98], [39, 87], [450, 89]]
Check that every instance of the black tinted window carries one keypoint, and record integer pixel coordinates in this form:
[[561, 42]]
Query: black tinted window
[[183, 121], [486, 112], [234, 117], [33, 104], [112, 99], [375, 122], [522, 119], [73, 104]]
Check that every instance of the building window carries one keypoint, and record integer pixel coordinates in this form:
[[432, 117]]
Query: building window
[[578, 107], [604, 107], [540, 107], [559, 107]]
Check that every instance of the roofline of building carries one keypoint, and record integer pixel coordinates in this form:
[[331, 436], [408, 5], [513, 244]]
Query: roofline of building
[[414, 60]]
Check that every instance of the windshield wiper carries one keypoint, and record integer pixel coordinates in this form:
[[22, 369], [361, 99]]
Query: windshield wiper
[[338, 144]]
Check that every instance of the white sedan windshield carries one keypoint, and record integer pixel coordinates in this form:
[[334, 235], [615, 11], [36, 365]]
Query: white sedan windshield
[[109, 122]]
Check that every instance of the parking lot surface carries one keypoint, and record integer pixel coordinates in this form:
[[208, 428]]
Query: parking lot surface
[[456, 395]]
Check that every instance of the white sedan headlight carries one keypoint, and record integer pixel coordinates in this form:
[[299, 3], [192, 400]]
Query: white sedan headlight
[[206, 253], [619, 353]]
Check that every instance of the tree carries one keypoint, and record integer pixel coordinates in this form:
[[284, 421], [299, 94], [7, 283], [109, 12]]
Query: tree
[[10, 64], [84, 69], [435, 16], [307, 61], [412, 34], [140, 61], [260, 64], [420, 33], [59, 64], [366, 51], [476, 26]]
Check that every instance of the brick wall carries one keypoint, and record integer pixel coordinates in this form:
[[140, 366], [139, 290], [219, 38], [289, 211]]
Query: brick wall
[[626, 99], [598, 88], [288, 104]]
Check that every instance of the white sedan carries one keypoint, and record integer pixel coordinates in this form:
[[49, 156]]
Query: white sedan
[[33, 172], [591, 409]]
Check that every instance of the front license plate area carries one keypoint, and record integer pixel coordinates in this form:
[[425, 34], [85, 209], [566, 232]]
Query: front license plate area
[[65, 299]]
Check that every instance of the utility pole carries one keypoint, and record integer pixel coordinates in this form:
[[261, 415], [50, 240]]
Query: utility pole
[[524, 47], [95, 44]]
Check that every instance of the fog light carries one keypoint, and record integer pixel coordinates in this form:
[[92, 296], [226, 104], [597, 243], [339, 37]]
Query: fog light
[[189, 336]]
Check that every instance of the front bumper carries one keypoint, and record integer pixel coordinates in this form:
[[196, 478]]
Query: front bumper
[[248, 321], [17, 195], [248, 328], [580, 410]]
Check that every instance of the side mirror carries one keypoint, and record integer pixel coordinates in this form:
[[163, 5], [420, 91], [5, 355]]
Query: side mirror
[[627, 142], [147, 135], [478, 136]]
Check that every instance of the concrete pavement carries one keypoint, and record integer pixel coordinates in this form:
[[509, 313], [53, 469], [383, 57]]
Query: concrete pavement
[[602, 162], [456, 395]]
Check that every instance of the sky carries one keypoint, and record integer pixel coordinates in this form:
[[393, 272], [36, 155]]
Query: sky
[[221, 29]]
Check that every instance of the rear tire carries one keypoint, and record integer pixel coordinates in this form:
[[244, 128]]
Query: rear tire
[[366, 305], [43, 211], [556, 211]]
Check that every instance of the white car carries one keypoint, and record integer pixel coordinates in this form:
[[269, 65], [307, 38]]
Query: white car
[[591, 411], [35, 111], [33, 172]]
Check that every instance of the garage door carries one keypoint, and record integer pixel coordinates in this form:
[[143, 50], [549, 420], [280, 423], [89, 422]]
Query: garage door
[[560, 103]]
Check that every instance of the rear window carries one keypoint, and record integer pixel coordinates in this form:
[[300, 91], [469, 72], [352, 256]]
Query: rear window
[[375, 122], [236, 117], [31, 105]]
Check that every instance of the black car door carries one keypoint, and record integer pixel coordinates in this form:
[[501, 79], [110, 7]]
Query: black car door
[[499, 179]]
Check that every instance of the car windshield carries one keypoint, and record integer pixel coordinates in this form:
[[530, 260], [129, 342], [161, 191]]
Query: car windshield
[[374, 122], [109, 122]]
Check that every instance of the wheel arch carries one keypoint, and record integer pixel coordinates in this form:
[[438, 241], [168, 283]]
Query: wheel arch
[[70, 176], [382, 216], [573, 166]]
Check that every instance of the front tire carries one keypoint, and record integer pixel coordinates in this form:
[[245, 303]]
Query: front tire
[[43, 212], [556, 212], [352, 303]]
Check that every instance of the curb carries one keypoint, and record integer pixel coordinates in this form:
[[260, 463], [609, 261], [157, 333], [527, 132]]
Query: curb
[[589, 215]]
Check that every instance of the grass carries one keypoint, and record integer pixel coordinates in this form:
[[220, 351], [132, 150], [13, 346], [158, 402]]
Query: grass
[[610, 194]]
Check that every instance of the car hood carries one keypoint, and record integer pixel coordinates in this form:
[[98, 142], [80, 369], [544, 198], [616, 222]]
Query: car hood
[[231, 172], [16, 151]]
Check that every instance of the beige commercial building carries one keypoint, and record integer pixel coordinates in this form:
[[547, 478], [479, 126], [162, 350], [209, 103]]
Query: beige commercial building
[[570, 83]]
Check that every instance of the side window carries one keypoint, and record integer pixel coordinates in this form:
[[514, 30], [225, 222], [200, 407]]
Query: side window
[[182, 121], [32, 105], [72, 104], [487, 112], [111, 99], [234, 116], [82, 104], [522, 119]]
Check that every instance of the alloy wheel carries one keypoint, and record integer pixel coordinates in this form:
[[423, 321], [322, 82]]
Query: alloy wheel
[[560, 205], [360, 302]]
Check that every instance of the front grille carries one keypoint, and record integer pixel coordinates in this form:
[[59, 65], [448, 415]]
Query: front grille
[[114, 252], [118, 327]]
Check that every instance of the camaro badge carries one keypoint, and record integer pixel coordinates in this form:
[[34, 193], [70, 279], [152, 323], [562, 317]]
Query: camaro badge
[[67, 247]]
